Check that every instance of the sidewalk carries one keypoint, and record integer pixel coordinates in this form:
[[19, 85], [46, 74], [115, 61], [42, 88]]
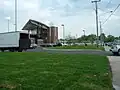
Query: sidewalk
[[115, 65]]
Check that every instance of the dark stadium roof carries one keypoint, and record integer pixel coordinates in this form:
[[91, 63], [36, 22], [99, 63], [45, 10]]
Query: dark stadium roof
[[32, 25]]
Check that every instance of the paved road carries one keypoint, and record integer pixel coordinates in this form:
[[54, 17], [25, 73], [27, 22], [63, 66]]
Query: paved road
[[115, 64], [82, 52], [95, 52]]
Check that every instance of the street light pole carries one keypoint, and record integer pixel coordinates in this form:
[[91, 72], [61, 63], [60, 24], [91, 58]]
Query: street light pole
[[8, 22], [96, 11], [76, 36], [8, 25], [63, 32], [15, 15], [84, 32]]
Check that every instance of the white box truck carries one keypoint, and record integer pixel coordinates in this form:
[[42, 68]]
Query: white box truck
[[14, 41]]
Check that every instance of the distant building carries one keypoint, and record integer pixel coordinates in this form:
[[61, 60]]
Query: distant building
[[43, 34], [53, 34]]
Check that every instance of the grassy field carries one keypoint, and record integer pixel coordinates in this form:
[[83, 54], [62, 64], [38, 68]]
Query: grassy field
[[42, 71], [80, 47]]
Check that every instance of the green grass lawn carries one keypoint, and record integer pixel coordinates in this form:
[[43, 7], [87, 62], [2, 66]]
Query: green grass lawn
[[80, 47], [43, 71]]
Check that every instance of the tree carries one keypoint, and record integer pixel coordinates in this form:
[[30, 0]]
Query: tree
[[79, 40], [117, 38], [69, 39], [92, 38], [102, 37], [110, 38], [84, 38]]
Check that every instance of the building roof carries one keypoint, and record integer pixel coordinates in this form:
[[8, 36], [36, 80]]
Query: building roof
[[32, 25]]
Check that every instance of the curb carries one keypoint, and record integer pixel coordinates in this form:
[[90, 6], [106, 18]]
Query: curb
[[110, 68]]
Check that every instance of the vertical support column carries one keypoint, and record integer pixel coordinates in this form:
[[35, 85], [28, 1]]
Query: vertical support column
[[28, 34], [55, 35], [36, 39]]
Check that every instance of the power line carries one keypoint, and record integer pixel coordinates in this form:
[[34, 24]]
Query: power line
[[106, 6], [108, 3], [101, 9], [111, 14]]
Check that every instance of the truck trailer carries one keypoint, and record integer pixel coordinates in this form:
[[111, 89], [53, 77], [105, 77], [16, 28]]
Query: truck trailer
[[15, 41]]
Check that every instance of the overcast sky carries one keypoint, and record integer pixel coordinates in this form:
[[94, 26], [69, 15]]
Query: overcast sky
[[76, 15]]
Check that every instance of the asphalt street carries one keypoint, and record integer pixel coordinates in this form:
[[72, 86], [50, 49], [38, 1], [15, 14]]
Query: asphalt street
[[95, 52]]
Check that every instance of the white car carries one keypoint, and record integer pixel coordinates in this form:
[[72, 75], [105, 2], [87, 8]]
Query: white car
[[115, 49], [64, 44], [33, 46]]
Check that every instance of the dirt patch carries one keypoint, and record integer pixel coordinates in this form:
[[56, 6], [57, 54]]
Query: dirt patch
[[7, 86]]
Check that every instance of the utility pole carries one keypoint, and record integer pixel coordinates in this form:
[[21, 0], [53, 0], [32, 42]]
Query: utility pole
[[15, 15], [96, 11], [101, 37]]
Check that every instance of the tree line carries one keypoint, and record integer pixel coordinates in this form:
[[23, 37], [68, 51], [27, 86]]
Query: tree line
[[90, 38]]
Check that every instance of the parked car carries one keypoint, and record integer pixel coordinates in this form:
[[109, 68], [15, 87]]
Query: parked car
[[115, 48], [59, 44], [33, 46], [109, 44], [64, 44]]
